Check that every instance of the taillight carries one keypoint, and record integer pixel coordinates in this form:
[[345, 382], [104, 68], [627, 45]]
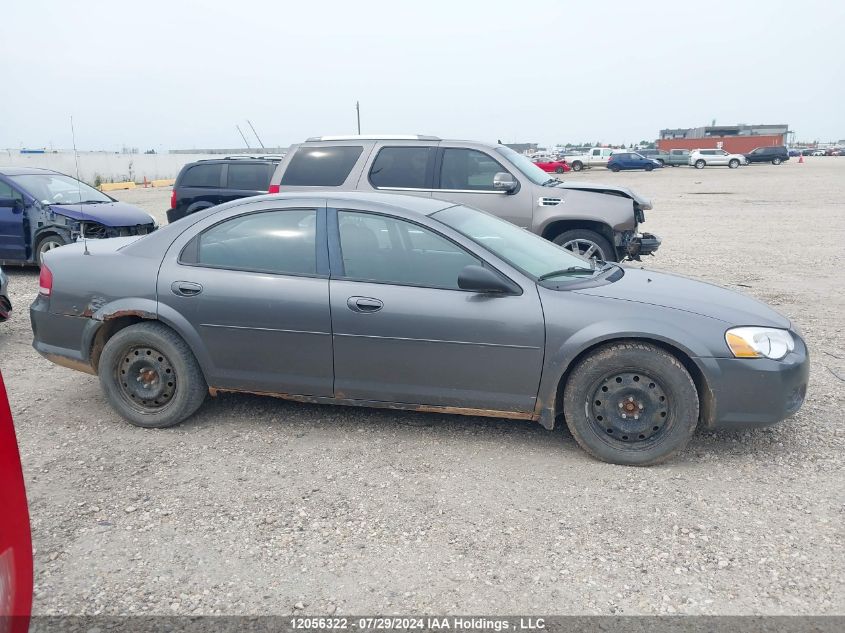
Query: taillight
[[173, 199], [45, 281], [273, 189]]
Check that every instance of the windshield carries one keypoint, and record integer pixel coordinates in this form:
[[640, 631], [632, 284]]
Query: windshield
[[524, 164], [530, 253], [59, 189]]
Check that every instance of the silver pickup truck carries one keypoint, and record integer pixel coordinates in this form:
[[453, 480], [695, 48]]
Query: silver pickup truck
[[593, 220]]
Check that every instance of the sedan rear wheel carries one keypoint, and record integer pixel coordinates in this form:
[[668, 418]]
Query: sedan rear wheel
[[150, 376], [631, 403]]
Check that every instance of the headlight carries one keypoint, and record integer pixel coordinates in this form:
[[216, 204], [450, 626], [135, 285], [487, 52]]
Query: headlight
[[759, 342]]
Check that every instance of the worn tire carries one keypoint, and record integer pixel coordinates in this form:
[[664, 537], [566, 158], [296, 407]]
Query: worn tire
[[47, 242], [593, 375], [188, 390], [606, 250]]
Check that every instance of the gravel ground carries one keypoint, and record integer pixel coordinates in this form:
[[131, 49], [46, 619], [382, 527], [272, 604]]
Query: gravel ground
[[259, 506]]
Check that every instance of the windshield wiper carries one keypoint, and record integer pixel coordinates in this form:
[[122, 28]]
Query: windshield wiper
[[565, 271], [549, 182]]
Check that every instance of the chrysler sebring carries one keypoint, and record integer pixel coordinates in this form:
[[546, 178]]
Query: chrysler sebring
[[407, 302]]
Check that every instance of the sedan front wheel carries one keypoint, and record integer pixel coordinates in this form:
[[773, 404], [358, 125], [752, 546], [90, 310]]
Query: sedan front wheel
[[631, 403]]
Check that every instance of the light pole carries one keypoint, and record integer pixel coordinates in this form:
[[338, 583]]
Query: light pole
[[358, 112]]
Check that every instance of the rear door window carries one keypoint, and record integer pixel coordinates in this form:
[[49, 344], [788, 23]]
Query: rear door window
[[321, 166], [282, 242], [203, 176], [468, 169], [251, 177], [402, 167]]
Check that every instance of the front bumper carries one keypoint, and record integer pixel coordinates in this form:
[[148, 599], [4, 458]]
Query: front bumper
[[749, 392], [641, 244]]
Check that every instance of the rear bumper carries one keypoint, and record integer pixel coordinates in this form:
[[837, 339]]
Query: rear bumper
[[755, 392], [64, 340], [175, 214]]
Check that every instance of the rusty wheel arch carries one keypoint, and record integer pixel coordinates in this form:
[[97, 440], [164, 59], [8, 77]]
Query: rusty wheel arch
[[706, 398], [112, 324]]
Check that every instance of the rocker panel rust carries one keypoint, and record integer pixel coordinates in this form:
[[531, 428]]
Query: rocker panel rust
[[377, 404]]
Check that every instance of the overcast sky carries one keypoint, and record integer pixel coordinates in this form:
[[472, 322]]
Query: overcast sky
[[176, 74]]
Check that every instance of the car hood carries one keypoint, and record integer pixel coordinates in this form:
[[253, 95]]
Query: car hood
[[645, 203], [688, 295], [109, 214]]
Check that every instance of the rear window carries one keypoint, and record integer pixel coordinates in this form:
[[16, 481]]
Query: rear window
[[404, 167], [253, 177], [321, 166], [202, 176]]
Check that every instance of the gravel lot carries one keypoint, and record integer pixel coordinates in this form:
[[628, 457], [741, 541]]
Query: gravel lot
[[261, 506]]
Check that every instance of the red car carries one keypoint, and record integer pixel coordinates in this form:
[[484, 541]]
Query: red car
[[15, 539], [556, 166]]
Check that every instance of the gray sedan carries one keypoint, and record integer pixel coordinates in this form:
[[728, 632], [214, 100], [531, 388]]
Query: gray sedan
[[412, 303]]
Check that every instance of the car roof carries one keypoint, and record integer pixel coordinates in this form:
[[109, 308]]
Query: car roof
[[410, 204], [24, 171]]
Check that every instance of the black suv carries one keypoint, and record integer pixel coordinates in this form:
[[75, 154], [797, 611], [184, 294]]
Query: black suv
[[206, 183], [775, 155]]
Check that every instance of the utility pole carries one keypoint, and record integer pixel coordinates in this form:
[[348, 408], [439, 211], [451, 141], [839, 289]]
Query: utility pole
[[246, 142], [256, 134], [358, 112]]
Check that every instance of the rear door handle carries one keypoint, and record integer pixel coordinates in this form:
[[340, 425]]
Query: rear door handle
[[364, 304], [185, 288]]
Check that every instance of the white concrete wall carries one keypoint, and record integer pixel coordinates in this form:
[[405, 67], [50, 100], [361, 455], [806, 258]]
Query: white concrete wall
[[109, 167]]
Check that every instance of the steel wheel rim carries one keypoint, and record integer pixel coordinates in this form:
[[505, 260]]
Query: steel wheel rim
[[629, 409], [584, 248], [146, 379]]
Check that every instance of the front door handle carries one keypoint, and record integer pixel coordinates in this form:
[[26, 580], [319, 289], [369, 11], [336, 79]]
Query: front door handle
[[364, 304], [186, 288]]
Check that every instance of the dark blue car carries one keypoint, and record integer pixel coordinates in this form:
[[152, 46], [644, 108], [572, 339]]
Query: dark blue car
[[41, 209], [631, 160]]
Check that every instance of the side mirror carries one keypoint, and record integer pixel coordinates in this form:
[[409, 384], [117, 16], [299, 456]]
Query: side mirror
[[503, 181], [480, 279], [15, 203]]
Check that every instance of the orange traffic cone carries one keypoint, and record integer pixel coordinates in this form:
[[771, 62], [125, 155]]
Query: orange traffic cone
[[800, 158]]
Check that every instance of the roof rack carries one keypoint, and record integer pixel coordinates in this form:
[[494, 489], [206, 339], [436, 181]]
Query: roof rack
[[374, 137], [246, 157]]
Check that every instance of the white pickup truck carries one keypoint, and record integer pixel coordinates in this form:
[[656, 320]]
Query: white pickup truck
[[595, 157]]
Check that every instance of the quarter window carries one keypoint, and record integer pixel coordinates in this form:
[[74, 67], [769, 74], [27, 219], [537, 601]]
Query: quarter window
[[387, 250], [203, 176], [321, 166], [405, 167], [468, 169], [271, 241], [250, 177]]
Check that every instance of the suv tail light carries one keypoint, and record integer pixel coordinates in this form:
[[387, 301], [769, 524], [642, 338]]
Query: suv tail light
[[45, 281], [173, 198], [273, 189]]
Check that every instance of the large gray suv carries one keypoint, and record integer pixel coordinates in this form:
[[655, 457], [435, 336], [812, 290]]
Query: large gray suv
[[594, 220]]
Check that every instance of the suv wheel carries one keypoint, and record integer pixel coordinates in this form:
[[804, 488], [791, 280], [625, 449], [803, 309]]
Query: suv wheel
[[699, 164], [777, 161], [577, 165], [587, 244], [631, 403], [734, 163]]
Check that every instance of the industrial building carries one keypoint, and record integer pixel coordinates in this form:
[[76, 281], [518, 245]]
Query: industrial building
[[733, 138]]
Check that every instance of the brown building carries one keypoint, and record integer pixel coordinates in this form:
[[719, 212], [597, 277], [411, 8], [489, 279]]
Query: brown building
[[732, 138]]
